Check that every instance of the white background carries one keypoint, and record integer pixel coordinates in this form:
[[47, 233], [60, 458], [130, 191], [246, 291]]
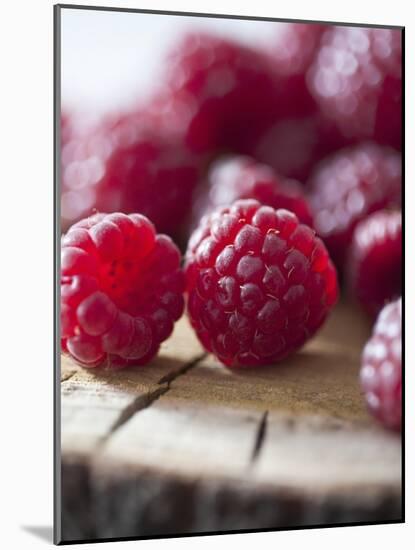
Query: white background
[[113, 58], [26, 232]]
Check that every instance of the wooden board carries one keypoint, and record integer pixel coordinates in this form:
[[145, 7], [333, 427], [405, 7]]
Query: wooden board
[[185, 445]]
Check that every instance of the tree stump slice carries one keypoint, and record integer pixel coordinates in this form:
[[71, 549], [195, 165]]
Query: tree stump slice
[[186, 446]]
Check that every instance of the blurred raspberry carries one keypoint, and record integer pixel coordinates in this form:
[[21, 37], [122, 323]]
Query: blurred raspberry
[[121, 290], [241, 177], [356, 79], [259, 283], [293, 146], [299, 136], [66, 129], [348, 186], [125, 164], [381, 372], [375, 264], [221, 93]]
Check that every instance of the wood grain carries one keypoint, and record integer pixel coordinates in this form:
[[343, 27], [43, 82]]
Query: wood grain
[[188, 446], [319, 379], [185, 439], [328, 456], [96, 401]]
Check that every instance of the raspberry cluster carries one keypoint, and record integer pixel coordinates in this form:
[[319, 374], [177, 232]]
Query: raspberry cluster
[[278, 162], [278, 104]]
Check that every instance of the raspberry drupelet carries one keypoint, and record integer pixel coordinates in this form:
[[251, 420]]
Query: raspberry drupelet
[[241, 177], [259, 283], [356, 79], [121, 290], [375, 261], [381, 372], [347, 186]]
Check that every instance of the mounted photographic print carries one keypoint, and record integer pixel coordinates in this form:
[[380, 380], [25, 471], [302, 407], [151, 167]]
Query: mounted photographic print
[[229, 311]]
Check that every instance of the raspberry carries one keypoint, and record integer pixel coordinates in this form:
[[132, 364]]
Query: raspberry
[[375, 266], [357, 80], [259, 283], [241, 177], [219, 91], [348, 186], [126, 165], [381, 372], [121, 290]]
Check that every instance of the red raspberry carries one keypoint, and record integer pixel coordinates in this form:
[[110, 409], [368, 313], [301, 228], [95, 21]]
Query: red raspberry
[[121, 290], [241, 177], [381, 372], [348, 186], [259, 283], [375, 266], [357, 80], [219, 91], [127, 165]]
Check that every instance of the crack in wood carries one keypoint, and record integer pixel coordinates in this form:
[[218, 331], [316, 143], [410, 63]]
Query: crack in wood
[[140, 402], [67, 376], [144, 401], [171, 376], [260, 436]]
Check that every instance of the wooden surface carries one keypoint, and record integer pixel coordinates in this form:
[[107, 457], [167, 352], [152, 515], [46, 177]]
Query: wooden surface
[[185, 445]]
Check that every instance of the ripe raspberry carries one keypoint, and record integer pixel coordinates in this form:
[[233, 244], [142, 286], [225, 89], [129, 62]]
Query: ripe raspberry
[[241, 177], [259, 283], [219, 91], [126, 165], [375, 265], [357, 80], [348, 186], [121, 290], [381, 372]]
